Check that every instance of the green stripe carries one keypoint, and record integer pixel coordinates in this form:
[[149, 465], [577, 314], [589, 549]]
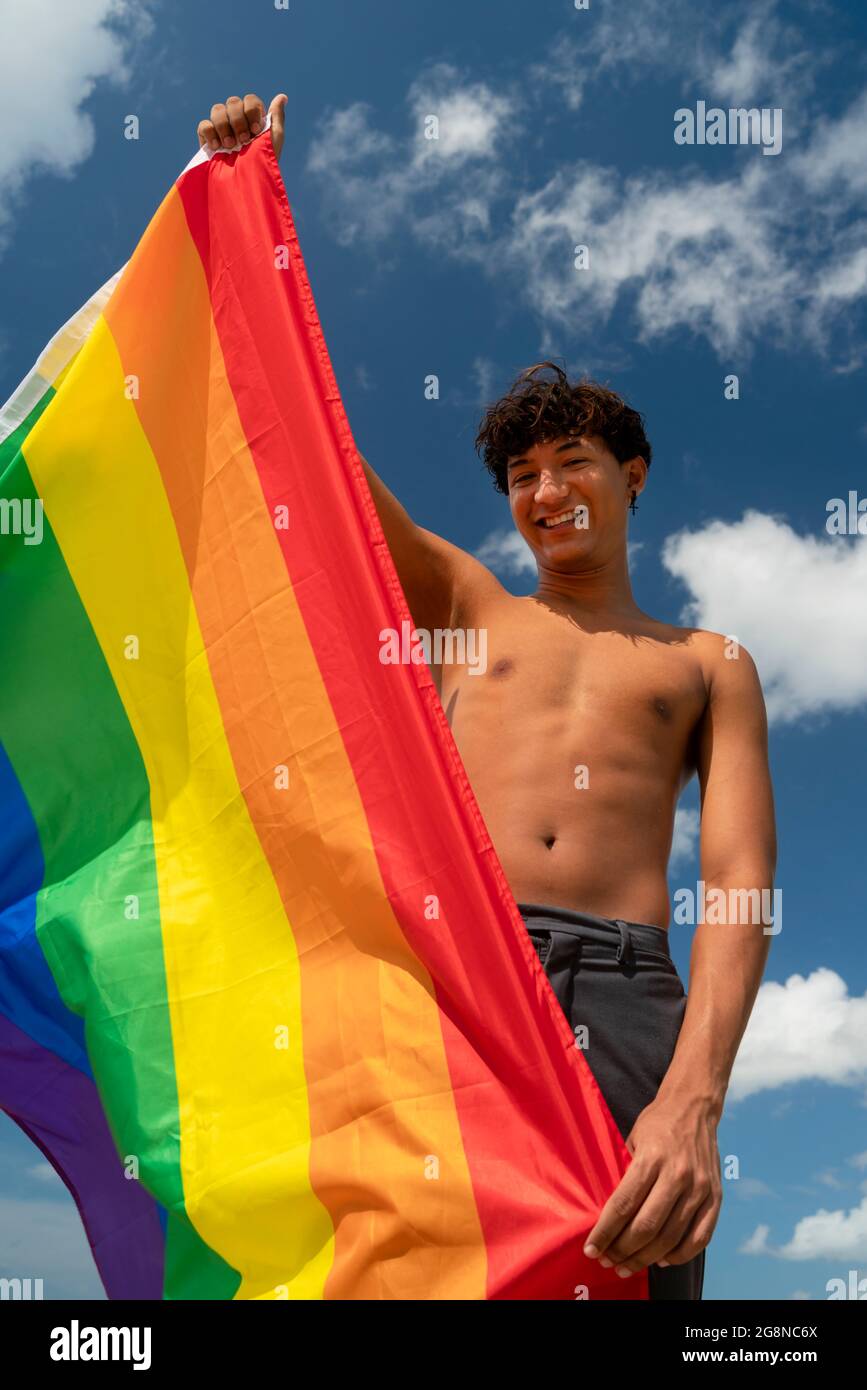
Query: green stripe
[[69, 740]]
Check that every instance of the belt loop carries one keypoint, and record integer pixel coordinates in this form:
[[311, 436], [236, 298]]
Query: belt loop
[[625, 947]]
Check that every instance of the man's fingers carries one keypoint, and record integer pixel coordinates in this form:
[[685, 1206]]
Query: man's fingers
[[233, 122], [254, 110], [663, 1212], [651, 1235], [698, 1234], [220, 122], [208, 135], [238, 121], [624, 1202], [277, 112]]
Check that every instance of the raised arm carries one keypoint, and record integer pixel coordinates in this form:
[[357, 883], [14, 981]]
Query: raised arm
[[438, 578]]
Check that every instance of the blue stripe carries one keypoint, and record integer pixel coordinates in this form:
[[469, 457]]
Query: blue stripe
[[29, 998]]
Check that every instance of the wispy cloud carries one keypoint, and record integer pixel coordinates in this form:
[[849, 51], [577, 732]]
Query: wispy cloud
[[748, 1189], [442, 175], [719, 248], [506, 552], [757, 1243], [743, 54], [687, 824]]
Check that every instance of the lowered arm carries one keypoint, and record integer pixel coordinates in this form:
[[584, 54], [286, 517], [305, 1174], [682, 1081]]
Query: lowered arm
[[738, 856]]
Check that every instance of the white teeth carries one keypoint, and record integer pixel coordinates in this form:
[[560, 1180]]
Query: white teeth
[[559, 518]]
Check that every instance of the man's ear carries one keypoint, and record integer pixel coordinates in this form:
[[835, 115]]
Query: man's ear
[[636, 474]]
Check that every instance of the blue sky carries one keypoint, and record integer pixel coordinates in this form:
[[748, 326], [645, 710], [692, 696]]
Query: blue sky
[[455, 258]]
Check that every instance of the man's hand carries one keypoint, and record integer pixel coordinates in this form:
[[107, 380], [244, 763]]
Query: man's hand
[[235, 121], [666, 1206]]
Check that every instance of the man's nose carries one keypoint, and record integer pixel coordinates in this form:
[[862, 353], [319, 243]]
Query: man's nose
[[550, 488]]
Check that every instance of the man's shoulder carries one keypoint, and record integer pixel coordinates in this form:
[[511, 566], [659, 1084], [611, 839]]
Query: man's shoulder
[[704, 644], [721, 657], [726, 665]]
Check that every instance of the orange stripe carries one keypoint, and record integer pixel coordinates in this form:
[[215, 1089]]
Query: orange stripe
[[387, 1157]]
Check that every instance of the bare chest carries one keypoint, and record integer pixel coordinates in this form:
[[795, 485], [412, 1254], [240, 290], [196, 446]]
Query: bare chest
[[539, 675]]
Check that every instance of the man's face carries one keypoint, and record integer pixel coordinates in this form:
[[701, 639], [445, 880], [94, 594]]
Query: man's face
[[572, 479]]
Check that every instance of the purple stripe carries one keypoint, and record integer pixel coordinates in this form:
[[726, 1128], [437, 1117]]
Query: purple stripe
[[58, 1107]]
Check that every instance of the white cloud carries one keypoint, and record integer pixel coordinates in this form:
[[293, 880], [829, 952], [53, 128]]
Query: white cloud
[[693, 251], [740, 248], [757, 1243], [469, 118], [740, 75], [687, 824], [51, 59], [808, 1029], [484, 371], [443, 186], [346, 138], [835, 156], [768, 63], [612, 46], [829, 1179], [506, 552], [796, 602], [826, 1235], [744, 53]]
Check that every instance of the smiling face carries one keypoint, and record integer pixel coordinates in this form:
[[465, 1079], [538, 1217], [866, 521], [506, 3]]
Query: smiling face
[[569, 498]]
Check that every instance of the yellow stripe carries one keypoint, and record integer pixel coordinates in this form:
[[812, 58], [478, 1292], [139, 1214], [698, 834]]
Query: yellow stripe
[[379, 1085], [229, 952]]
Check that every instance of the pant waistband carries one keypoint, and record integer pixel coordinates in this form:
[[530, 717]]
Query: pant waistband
[[538, 917]]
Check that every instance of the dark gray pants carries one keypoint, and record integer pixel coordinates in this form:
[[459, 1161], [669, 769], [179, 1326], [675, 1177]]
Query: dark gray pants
[[618, 981]]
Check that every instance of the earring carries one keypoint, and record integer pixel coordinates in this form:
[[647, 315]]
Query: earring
[[632, 505]]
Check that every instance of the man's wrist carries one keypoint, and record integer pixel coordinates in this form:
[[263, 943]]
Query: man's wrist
[[694, 1096]]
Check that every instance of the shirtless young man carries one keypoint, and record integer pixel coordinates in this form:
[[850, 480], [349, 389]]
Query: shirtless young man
[[578, 677]]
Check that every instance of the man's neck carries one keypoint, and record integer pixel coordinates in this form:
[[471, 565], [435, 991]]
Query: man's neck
[[604, 590]]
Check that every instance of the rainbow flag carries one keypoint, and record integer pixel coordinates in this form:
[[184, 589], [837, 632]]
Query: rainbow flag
[[266, 1001]]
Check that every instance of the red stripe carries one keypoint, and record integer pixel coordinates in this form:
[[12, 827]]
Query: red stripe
[[543, 1149]]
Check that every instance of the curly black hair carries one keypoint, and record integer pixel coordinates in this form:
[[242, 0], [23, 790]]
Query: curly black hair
[[537, 408]]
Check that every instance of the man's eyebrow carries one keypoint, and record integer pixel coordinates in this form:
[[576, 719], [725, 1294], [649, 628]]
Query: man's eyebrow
[[576, 443]]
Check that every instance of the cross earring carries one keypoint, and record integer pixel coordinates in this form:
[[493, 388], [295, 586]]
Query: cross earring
[[632, 507]]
